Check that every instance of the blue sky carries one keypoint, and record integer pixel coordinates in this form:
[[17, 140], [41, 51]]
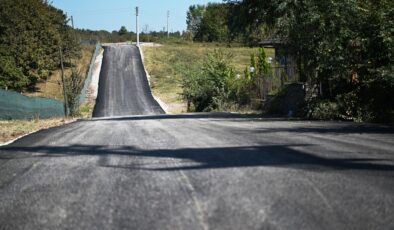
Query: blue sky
[[111, 15]]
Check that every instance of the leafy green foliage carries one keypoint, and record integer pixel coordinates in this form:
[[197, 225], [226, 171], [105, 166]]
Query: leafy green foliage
[[346, 46], [253, 83], [122, 31], [208, 86], [208, 23], [323, 110], [11, 76], [214, 85], [249, 20], [194, 19], [32, 31], [262, 65], [73, 84]]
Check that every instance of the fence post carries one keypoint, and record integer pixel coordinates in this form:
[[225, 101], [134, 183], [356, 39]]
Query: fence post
[[63, 82]]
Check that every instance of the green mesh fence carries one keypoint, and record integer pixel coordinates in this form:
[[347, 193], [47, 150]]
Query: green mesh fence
[[83, 94], [13, 105]]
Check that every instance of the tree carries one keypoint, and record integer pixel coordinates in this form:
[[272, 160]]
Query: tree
[[251, 19], [209, 86], [213, 25], [33, 31], [73, 85], [10, 75], [122, 31], [345, 47], [194, 18]]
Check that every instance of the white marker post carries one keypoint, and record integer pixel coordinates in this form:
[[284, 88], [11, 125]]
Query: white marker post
[[136, 25], [168, 28]]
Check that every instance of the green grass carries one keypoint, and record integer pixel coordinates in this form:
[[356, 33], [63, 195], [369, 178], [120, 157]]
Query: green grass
[[166, 63]]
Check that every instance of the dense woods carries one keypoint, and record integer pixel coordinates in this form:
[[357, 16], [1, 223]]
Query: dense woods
[[31, 33]]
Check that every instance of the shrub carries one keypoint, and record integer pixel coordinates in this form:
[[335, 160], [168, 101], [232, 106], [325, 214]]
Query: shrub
[[323, 110], [74, 84], [208, 86]]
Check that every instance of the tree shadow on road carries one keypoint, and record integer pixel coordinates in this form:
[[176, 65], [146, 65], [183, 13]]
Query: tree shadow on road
[[285, 156]]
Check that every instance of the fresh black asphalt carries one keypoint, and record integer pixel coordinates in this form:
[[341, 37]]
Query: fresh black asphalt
[[197, 171], [123, 86]]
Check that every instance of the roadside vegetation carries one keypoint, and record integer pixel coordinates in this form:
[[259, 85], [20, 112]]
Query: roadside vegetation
[[344, 50], [170, 64], [11, 129], [32, 33], [343, 54]]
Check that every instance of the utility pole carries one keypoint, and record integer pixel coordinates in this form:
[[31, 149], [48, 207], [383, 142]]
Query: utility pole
[[168, 29], [75, 33], [63, 82], [72, 22], [147, 31], [136, 25]]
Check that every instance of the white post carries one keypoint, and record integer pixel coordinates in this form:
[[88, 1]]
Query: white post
[[168, 29], [136, 25]]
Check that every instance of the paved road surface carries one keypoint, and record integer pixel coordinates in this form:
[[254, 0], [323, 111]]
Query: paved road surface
[[123, 86], [199, 171]]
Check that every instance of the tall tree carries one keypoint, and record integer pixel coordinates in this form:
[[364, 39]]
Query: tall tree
[[122, 31], [194, 18], [32, 32], [213, 25]]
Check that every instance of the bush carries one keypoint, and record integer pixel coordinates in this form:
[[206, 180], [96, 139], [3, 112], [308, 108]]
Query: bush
[[74, 84], [207, 87], [323, 110]]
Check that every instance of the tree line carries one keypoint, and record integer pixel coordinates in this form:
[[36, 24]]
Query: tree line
[[31, 34], [344, 49], [123, 35]]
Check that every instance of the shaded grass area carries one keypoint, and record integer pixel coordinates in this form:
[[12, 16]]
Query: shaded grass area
[[11, 129], [52, 87], [167, 63]]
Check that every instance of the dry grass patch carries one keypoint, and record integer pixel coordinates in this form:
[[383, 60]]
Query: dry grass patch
[[52, 87], [11, 129]]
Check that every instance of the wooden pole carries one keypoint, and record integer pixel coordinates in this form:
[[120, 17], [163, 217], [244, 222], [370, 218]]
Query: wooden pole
[[63, 82]]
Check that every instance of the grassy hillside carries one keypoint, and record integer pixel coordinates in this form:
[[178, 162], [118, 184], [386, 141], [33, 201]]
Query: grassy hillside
[[166, 63], [52, 87]]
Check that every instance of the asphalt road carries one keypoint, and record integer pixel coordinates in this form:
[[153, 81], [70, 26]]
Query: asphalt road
[[123, 86], [199, 171]]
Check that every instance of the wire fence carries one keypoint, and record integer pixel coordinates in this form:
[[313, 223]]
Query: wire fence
[[280, 75], [88, 80]]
